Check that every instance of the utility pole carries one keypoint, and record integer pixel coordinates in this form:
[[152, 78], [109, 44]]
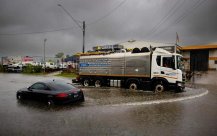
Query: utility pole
[[84, 36], [44, 55], [2, 61], [77, 23]]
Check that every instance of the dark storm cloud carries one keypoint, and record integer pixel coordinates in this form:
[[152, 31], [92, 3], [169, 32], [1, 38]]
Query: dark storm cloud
[[108, 22], [202, 26]]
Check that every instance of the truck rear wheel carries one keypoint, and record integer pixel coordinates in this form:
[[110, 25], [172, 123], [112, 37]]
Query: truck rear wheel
[[86, 82], [98, 83], [133, 86]]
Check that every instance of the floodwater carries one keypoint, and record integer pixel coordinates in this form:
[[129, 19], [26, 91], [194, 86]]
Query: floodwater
[[104, 112]]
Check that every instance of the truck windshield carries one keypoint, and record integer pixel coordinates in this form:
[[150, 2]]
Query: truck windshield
[[180, 63]]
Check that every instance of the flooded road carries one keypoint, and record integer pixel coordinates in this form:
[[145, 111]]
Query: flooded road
[[104, 112]]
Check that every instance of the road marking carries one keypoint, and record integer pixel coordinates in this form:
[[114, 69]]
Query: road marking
[[162, 101]]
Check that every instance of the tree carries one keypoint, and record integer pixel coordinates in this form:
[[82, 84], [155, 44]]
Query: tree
[[59, 55], [67, 56]]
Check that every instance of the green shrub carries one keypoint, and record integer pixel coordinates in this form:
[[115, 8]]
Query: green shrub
[[1, 68], [32, 69], [37, 69]]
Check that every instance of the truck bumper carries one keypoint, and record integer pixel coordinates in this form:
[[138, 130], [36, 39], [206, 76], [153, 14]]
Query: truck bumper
[[180, 86]]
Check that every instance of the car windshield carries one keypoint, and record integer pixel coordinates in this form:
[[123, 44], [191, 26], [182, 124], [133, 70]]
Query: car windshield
[[58, 86]]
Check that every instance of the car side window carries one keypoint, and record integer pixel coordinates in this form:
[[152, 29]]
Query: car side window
[[39, 86]]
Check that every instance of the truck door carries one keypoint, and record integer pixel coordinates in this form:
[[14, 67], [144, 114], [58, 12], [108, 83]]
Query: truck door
[[167, 69]]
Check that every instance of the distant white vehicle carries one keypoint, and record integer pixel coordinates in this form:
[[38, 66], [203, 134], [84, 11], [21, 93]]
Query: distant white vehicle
[[50, 65], [36, 63], [17, 67], [62, 66]]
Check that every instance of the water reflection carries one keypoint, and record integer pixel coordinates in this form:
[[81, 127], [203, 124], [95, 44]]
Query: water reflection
[[156, 119], [39, 106]]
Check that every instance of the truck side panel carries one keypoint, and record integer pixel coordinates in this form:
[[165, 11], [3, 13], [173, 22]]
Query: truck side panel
[[122, 65], [138, 65]]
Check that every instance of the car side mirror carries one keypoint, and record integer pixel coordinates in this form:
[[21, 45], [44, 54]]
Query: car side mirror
[[29, 88]]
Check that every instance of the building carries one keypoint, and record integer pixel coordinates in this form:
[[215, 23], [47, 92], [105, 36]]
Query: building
[[200, 57], [140, 44], [107, 48], [130, 45], [196, 57], [27, 60], [11, 60]]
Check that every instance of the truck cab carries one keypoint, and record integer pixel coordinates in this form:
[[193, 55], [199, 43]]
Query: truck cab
[[166, 71]]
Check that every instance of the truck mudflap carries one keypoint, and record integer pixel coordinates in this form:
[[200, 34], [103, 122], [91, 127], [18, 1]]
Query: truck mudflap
[[76, 80]]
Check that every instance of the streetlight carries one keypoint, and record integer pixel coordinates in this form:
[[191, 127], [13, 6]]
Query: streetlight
[[44, 54], [82, 28]]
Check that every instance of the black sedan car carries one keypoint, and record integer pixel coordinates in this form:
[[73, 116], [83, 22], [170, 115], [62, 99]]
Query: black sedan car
[[51, 92]]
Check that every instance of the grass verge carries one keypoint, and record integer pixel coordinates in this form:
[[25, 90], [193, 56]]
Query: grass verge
[[37, 74], [68, 75]]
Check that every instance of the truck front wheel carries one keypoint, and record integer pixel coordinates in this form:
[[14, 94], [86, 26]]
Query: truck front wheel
[[159, 87]]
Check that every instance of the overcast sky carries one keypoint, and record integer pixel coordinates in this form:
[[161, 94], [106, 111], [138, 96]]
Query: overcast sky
[[24, 24]]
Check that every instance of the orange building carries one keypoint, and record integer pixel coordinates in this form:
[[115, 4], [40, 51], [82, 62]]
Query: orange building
[[201, 57]]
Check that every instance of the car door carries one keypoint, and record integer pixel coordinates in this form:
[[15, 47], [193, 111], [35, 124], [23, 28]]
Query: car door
[[37, 91], [32, 91], [43, 92]]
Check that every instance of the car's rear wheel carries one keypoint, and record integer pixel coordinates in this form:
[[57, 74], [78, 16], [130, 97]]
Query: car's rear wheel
[[50, 102]]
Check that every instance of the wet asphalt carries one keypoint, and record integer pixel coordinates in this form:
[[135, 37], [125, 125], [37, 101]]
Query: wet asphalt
[[104, 112]]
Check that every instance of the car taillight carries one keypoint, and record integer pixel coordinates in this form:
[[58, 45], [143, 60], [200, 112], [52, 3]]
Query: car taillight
[[61, 95]]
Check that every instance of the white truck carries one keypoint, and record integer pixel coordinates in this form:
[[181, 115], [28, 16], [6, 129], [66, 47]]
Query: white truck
[[155, 69]]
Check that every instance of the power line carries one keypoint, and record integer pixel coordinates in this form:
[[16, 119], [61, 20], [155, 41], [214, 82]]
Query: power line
[[39, 32], [174, 8], [49, 31], [108, 13], [60, 2], [77, 23], [62, 29], [185, 14]]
